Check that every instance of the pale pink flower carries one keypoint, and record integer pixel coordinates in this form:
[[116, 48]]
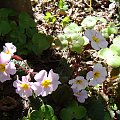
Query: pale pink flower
[[6, 68], [81, 95], [45, 84], [97, 76], [78, 83], [96, 38], [4, 58], [9, 49], [23, 88]]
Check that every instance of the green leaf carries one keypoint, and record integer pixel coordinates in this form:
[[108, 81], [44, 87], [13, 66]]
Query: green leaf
[[36, 115], [48, 14], [76, 48], [18, 37], [41, 42], [13, 25], [105, 33], [49, 17], [61, 95], [107, 116], [72, 28], [89, 22], [112, 30], [62, 37], [47, 109], [5, 27], [115, 49], [95, 109], [24, 118], [114, 61], [73, 111], [31, 31], [101, 19], [65, 21], [45, 112], [58, 43], [60, 4], [105, 53], [116, 40], [25, 21], [5, 12], [48, 112]]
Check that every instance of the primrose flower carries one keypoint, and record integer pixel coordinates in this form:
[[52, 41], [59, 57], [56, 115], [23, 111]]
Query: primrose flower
[[81, 95], [78, 83], [97, 76], [6, 68], [96, 38], [45, 84], [23, 88], [9, 48]]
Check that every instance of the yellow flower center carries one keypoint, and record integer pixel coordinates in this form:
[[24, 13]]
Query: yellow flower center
[[78, 93], [7, 52], [25, 86], [78, 81], [2, 68], [95, 39], [96, 75], [46, 83]]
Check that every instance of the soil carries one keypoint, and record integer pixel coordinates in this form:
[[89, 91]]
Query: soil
[[16, 108]]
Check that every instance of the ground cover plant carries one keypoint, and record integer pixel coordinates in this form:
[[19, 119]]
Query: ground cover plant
[[62, 65]]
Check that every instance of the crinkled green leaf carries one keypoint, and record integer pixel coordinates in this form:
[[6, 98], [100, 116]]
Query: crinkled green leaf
[[95, 109], [112, 30], [61, 37], [89, 22], [58, 43], [41, 42], [5, 12], [101, 19], [76, 48], [64, 44], [114, 61], [115, 49], [31, 31], [65, 21], [104, 53], [116, 40], [5, 27], [72, 28], [24, 118], [48, 112], [61, 95], [18, 37], [107, 116], [47, 109], [36, 115], [105, 33], [45, 112], [49, 17], [73, 111], [61, 4], [25, 21]]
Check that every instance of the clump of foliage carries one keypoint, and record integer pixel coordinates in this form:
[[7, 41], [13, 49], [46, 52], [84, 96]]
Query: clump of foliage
[[77, 88], [22, 32], [71, 38]]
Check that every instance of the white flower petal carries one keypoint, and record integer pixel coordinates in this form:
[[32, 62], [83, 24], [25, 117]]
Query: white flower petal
[[41, 75], [89, 75], [95, 45]]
